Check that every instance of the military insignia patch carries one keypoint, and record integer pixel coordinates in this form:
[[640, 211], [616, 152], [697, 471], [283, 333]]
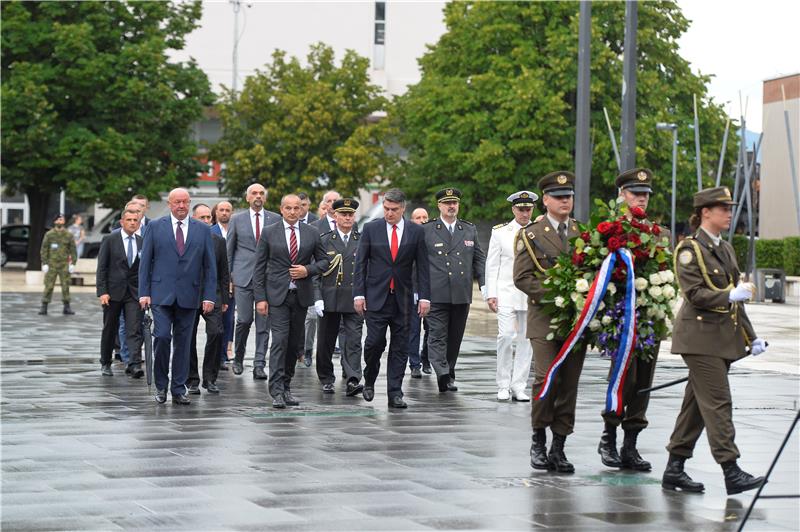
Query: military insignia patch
[[561, 179], [642, 176], [685, 257], [520, 245]]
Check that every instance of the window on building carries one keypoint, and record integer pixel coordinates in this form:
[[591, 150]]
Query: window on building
[[380, 22]]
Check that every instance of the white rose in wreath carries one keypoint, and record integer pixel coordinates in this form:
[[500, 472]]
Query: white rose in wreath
[[640, 283], [582, 285], [655, 292], [667, 276], [655, 279], [594, 325], [668, 291], [606, 320], [559, 301], [612, 288]]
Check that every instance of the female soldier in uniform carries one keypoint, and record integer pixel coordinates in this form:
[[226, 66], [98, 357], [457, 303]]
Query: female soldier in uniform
[[711, 331]]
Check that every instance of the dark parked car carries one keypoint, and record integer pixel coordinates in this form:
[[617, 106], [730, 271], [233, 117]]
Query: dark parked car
[[14, 243]]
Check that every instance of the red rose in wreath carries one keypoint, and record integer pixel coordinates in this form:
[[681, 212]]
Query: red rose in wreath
[[605, 228], [656, 229], [614, 243], [638, 212], [578, 258]]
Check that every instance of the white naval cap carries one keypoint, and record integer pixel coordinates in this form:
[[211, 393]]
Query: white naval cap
[[523, 198]]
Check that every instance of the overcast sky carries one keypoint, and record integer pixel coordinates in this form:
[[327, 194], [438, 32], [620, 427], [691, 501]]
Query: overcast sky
[[740, 42]]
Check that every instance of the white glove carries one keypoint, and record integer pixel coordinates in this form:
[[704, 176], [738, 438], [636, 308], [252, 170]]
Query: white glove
[[483, 292], [416, 298], [319, 307], [757, 347], [45, 268], [741, 292], [71, 268]]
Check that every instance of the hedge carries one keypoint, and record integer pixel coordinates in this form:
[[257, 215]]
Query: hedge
[[783, 254]]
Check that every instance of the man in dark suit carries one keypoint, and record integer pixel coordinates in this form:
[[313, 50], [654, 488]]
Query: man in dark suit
[[177, 273], [289, 255], [305, 203], [244, 232], [222, 213], [334, 302], [214, 328], [383, 290], [118, 290]]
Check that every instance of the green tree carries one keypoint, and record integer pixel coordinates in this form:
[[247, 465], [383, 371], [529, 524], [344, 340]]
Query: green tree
[[292, 126], [92, 103], [496, 105]]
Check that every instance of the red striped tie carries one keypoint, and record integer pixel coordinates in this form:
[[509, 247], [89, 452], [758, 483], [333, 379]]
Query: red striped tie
[[292, 245]]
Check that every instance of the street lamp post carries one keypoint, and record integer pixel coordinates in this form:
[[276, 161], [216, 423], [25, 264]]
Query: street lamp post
[[663, 126]]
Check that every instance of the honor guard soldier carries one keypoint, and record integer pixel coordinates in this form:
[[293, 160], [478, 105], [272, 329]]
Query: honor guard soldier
[[635, 188], [537, 248], [59, 255], [711, 331], [509, 302], [334, 301], [455, 259]]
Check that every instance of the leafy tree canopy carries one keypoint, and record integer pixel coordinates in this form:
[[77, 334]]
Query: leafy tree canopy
[[303, 128], [496, 106], [92, 103]]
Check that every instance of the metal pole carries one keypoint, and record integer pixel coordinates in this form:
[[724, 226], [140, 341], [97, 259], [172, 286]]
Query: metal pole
[[613, 140], [722, 152], [748, 170], [629, 64], [237, 4], [583, 154], [697, 145], [742, 161], [62, 202], [674, 184], [791, 158]]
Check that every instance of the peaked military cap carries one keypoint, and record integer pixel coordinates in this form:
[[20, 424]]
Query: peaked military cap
[[636, 180], [713, 196], [345, 205], [523, 198], [560, 183], [448, 194]]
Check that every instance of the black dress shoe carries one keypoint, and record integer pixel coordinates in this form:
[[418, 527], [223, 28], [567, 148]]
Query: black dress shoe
[[181, 399], [397, 402], [259, 374], [328, 388], [210, 387], [426, 369], [128, 371], [446, 385], [369, 393], [193, 389], [354, 388], [278, 402], [161, 396], [238, 367], [307, 358], [137, 372], [416, 373], [105, 369], [289, 399]]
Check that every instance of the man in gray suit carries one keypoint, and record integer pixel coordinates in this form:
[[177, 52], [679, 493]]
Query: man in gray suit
[[289, 255], [244, 231], [455, 258]]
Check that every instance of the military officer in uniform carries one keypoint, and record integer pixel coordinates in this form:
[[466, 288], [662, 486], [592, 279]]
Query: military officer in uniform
[[537, 249], [635, 188], [711, 331], [455, 259], [509, 303], [59, 255], [334, 302]]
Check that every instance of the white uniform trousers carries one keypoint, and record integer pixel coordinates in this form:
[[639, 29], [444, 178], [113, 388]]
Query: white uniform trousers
[[513, 369]]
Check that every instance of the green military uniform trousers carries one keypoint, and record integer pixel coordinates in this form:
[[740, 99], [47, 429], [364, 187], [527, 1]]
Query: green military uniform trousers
[[557, 409], [62, 272], [639, 376]]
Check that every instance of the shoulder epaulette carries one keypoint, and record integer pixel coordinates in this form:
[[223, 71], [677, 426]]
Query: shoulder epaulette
[[431, 220], [326, 233], [465, 222], [498, 226]]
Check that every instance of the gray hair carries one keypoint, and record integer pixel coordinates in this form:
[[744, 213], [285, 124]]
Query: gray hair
[[127, 210], [395, 195]]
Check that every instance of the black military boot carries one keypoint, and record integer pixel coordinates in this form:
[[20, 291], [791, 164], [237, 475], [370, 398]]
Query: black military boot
[[736, 480], [558, 460], [43, 310], [539, 450], [67, 309], [630, 456], [676, 479], [607, 448]]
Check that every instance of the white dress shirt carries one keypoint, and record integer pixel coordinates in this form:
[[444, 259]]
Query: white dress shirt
[[715, 239], [288, 234], [133, 243], [184, 228], [331, 222], [253, 221], [224, 231], [400, 227], [348, 235]]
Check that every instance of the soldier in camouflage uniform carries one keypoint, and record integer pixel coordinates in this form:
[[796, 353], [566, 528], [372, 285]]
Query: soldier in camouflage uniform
[[58, 258]]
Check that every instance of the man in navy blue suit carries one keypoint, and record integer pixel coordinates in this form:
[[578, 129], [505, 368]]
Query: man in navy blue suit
[[177, 271], [387, 253]]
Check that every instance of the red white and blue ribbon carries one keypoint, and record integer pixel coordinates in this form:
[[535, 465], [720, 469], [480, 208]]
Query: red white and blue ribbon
[[627, 340]]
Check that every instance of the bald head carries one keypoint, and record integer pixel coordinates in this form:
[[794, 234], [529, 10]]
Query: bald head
[[327, 201], [419, 216], [290, 208], [179, 201], [256, 196]]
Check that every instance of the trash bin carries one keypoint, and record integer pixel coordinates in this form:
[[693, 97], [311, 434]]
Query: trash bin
[[771, 285]]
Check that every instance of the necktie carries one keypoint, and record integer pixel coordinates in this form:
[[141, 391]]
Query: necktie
[[179, 239], [292, 245], [258, 227], [130, 250], [345, 239], [450, 228], [333, 225], [393, 249], [562, 232]]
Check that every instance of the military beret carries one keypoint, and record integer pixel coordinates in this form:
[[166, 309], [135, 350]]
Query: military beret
[[448, 194], [523, 198], [713, 196], [635, 180], [59, 215], [345, 205], [560, 183]]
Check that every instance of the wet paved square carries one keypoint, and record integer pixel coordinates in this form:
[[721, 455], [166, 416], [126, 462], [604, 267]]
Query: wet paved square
[[84, 452]]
